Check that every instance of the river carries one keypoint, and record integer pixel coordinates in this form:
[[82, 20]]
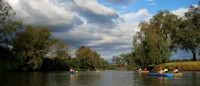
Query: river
[[93, 78]]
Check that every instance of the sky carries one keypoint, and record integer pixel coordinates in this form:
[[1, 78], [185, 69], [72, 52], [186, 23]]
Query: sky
[[106, 26]]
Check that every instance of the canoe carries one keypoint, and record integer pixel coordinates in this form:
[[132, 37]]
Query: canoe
[[143, 71], [177, 74], [163, 74], [71, 72]]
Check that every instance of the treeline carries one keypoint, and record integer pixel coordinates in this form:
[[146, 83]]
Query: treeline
[[28, 48], [124, 60], [163, 33]]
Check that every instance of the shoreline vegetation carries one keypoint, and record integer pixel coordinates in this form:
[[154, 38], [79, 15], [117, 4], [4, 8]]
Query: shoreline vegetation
[[182, 66]]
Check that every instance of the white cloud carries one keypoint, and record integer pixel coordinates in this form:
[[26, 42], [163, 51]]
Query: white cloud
[[180, 12], [142, 14], [78, 17], [43, 12], [95, 7], [119, 2]]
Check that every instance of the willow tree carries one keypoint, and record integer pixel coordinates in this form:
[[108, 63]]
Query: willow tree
[[7, 24], [165, 24], [152, 43], [89, 58], [146, 44], [31, 45], [8, 27], [119, 60], [60, 50]]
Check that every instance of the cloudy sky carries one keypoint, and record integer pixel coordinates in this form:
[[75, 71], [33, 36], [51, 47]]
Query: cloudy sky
[[106, 26]]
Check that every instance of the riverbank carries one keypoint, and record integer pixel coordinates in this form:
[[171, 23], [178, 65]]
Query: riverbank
[[182, 66]]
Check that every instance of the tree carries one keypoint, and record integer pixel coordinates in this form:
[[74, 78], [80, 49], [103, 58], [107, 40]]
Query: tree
[[119, 60], [31, 45], [7, 25], [60, 50], [123, 59], [146, 46], [152, 44], [187, 35], [165, 24], [88, 57], [8, 28]]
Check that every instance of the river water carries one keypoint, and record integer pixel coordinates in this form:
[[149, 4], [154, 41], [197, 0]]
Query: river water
[[93, 78]]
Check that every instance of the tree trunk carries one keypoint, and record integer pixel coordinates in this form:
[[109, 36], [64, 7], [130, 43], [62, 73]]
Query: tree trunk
[[194, 54]]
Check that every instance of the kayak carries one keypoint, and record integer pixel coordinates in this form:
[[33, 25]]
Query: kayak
[[159, 74], [143, 71], [71, 72], [177, 74]]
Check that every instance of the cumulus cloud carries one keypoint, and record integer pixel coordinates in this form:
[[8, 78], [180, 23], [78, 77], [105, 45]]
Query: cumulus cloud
[[120, 2], [142, 14], [45, 13], [180, 12], [94, 7], [83, 22], [95, 13]]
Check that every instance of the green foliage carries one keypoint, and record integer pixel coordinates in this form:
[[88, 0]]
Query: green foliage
[[152, 44], [90, 59], [75, 63], [10, 65], [60, 50], [187, 35], [7, 26], [31, 45], [165, 32], [32, 49], [111, 67], [123, 60], [54, 65]]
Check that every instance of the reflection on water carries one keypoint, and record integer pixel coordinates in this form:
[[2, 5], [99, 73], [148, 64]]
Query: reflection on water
[[93, 78]]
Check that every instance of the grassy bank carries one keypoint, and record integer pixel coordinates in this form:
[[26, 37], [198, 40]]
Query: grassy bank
[[183, 66]]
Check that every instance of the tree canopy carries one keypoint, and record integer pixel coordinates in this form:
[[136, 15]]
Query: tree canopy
[[165, 32], [31, 45], [187, 34], [90, 58]]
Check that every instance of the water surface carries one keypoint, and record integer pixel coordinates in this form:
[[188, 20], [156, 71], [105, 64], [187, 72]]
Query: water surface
[[93, 78]]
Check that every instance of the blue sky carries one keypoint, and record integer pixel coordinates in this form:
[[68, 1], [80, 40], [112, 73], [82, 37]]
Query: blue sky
[[152, 5], [106, 26]]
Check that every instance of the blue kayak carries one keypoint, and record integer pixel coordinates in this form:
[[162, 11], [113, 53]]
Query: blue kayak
[[163, 74], [71, 72]]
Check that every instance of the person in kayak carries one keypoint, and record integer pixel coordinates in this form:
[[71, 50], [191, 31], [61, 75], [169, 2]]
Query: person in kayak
[[175, 70], [140, 69], [145, 69], [165, 70], [160, 71], [72, 71]]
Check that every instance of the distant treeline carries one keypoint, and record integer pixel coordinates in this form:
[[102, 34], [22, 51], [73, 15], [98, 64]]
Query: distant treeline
[[28, 48]]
